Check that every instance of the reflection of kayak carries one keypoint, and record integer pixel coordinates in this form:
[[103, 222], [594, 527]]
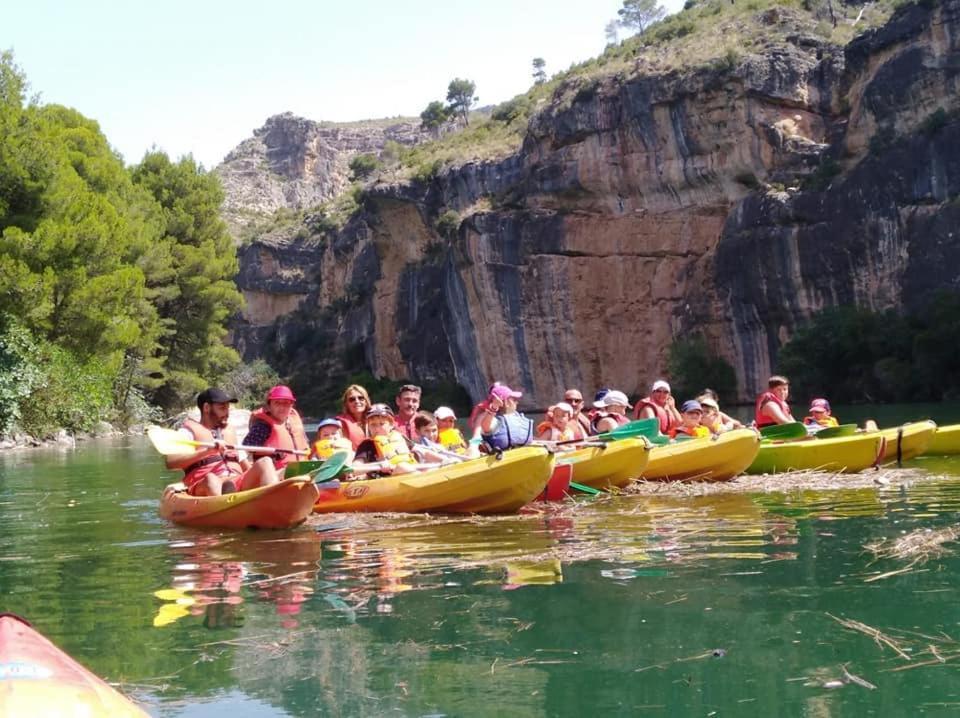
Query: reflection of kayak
[[848, 454], [38, 679], [616, 463], [946, 440], [486, 485], [714, 459], [278, 506], [907, 441]]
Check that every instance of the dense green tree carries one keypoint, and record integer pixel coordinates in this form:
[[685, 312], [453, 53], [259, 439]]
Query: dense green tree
[[539, 70], [363, 165], [461, 97], [435, 114], [693, 368], [196, 295], [638, 15]]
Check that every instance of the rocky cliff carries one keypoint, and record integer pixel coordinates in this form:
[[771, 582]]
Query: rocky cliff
[[729, 200]]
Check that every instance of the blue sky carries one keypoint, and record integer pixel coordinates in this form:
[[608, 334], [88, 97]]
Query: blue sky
[[198, 77]]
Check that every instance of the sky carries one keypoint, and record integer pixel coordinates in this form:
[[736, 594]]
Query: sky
[[198, 77]]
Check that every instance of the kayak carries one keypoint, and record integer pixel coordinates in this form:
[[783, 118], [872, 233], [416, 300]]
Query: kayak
[[614, 464], [487, 485], [38, 679], [848, 454], [946, 440], [277, 506], [717, 458], [907, 442], [558, 487]]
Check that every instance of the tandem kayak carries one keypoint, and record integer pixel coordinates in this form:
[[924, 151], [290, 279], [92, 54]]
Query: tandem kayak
[[718, 458], [847, 454], [488, 485], [38, 679], [277, 506], [614, 464], [946, 440], [907, 442]]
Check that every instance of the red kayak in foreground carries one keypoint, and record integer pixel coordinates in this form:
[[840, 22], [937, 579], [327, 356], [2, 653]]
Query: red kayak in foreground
[[37, 679]]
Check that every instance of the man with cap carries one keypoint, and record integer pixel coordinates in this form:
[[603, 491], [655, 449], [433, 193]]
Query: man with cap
[[611, 412], [501, 426], [690, 427], [217, 470], [278, 425], [660, 405]]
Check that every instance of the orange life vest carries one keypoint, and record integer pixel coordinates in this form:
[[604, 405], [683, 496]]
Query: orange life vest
[[697, 432], [220, 464], [554, 433], [287, 434], [325, 448], [761, 418], [352, 429], [666, 421], [393, 448]]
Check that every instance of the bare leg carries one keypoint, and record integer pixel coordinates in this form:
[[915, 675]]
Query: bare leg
[[210, 485], [262, 473]]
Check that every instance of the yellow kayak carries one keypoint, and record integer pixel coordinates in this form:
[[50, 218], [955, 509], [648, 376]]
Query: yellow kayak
[[946, 440], [907, 441], [848, 454], [487, 485], [715, 459], [615, 463]]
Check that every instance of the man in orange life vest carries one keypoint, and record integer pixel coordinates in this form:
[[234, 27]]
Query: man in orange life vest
[[278, 425], [772, 407], [408, 404], [218, 470]]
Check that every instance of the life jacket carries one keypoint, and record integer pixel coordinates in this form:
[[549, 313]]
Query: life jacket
[[352, 430], [452, 440], [824, 422], [513, 429], [554, 433], [325, 448], [762, 419], [220, 464], [621, 419], [580, 427], [283, 435], [393, 448], [666, 422], [697, 432]]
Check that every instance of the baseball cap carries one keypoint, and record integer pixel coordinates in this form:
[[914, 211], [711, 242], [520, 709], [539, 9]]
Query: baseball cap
[[380, 410], [660, 384], [708, 402], [444, 412], [820, 405], [691, 405], [328, 422], [214, 396], [613, 397], [598, 397], [281, 393], [503, 392]]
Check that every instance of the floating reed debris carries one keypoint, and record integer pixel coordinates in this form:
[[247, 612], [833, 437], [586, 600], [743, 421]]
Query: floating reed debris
[[919, 546], [917, 649]]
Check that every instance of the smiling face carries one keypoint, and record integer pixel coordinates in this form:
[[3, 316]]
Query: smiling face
[[408, 402], [560, 419], [379, 425], [659, 396], [355, 403], [691, 418], [430, 431]]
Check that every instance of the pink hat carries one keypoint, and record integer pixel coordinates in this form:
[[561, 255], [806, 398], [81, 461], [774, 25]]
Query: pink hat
[[820, 405], [504, 392], [281, 393]]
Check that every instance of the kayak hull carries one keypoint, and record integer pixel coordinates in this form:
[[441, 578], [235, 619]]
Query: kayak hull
[[846, 454], [558, 487], [278, 506], [487, 485], [715, 459], [612, 465], [945, 441], [908, 441], [38, 679]]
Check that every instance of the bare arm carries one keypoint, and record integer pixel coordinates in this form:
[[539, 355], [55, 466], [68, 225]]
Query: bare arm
[[771, 410]]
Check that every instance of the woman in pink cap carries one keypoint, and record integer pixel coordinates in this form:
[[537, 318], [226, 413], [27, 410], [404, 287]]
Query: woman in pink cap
[[501, 426], [278, 425]]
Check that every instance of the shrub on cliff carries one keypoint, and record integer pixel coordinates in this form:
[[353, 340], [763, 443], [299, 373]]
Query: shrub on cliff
[[362, 166], [693, 367]]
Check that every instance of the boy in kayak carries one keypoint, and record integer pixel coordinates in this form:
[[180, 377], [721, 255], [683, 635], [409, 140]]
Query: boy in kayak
[[427, 436], [771, 407], [218, 470], [386, 445], [329, 440], [690, 427], [819, 416]]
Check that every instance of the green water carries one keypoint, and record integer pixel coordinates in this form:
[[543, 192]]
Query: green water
[[715, 605]]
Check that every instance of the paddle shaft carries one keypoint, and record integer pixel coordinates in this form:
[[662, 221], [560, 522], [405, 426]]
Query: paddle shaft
[[250, 449]]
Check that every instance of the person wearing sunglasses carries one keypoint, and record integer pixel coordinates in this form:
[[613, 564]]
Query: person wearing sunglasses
[[408, 404], [661, 405], [353, 418], [579, 422]]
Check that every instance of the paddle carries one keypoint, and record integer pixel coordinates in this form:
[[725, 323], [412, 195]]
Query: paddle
[[780, 432], [832, 432], [330, 468], [641, 427], [169, 442], [585, 489]]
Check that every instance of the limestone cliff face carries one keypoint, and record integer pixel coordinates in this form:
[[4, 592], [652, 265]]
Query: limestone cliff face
[[731, 201]]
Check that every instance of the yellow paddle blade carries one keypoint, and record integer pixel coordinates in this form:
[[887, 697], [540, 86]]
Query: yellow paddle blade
[[168, 441], [168, 613], [171, 594]]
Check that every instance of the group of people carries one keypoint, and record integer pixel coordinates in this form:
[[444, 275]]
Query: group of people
[[381, 440]]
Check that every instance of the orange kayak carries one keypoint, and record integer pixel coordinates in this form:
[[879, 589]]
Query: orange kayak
[[278, 506], [38, 679]]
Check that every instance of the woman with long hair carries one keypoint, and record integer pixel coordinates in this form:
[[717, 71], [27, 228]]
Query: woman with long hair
[[353, 417]]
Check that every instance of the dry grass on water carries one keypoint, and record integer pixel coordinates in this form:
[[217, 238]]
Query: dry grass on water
[[917, 649]]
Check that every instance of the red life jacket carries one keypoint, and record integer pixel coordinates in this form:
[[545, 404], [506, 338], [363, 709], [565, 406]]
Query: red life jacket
[[287, 434], [761, 418], [352, 430], [220, 464], [666, 423], [619, 418]]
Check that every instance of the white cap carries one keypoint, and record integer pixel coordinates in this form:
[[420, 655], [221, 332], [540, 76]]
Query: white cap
[[564, 406], [613, 397], [660, 384], [444, 412]]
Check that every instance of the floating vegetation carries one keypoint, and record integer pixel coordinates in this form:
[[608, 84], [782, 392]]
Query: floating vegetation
[[920, 545], [918, 649]]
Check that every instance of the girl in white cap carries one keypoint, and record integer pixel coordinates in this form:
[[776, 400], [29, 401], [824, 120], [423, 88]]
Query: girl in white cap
[[557, 427], [612, 412]]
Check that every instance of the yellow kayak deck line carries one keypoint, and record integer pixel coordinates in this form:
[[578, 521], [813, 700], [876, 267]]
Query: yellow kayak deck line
[[908, 441], [945, 441], [614, 464], [717, 458], [847, 454], [487, 485]]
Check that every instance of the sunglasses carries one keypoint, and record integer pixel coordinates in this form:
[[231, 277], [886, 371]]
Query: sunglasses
[[572, 401], [357, 398]]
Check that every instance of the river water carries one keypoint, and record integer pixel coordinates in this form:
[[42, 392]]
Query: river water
[[728, 604]]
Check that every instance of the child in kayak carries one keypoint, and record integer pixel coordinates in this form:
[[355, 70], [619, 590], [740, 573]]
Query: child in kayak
[[557, 427], [450, 437], [329, 440], [385, 445], [427, 436], [691, 412], [819, 416]]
